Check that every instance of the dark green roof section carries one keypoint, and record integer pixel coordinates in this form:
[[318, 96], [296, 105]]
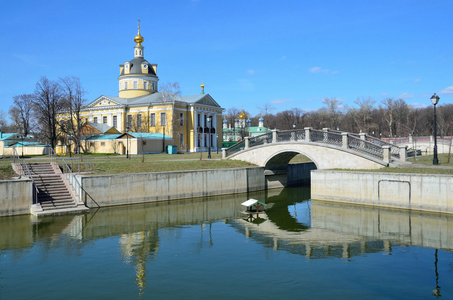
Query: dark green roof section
[[149, 136], [103, 137]]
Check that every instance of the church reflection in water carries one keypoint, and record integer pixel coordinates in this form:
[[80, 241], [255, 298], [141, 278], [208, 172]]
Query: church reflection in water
[[292, 223]]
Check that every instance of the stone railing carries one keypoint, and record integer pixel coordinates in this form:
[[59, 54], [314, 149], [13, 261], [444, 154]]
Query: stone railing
[[361, 143]]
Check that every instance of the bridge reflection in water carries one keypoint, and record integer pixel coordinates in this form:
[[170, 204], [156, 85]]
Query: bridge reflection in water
[[292, 224], [292, 219]]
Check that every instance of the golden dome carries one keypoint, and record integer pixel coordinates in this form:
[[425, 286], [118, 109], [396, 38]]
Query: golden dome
[[242, 116], [138, 38]]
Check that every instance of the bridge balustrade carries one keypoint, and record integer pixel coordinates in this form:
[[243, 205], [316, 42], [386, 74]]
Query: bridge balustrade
[[261, 139], [235, 148], [364, 146], [357, 142], [286, 136], [394, 150]]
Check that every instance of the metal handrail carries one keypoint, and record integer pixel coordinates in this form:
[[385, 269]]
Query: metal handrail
[[88, 162], [24, 163], [52, 158], [75, 184]]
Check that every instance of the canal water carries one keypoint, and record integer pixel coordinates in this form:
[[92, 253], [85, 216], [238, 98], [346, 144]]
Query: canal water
[[207, 249]]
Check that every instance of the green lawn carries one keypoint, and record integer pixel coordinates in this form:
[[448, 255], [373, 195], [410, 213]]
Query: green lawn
[[6, 171], [121, 165], [116, 164], [421, 165], [428, 160]]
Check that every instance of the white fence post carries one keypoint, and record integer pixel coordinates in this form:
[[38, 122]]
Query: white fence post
[[307, 133]]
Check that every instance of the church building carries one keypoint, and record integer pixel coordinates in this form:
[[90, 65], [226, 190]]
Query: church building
[[192, 122], [242, 127]]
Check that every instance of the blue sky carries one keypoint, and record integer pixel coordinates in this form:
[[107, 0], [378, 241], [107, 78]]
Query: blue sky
[[248, 53]]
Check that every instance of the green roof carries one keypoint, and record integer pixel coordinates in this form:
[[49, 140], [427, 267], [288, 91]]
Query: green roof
[[27, 144], [8, 136], [148, 136], [103, 137]]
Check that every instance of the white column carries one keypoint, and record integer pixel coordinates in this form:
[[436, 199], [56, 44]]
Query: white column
[[120, 121]]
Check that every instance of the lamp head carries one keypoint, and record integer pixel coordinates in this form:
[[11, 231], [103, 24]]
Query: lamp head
[[435, 99]]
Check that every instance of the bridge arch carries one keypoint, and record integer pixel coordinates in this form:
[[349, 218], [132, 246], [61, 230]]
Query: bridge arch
[[281, 159], [327, 149], [276, 156]]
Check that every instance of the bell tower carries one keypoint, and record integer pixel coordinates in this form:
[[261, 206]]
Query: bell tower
[[137, 77]]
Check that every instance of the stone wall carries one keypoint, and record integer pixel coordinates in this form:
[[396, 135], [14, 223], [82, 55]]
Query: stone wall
[[297, 174], [426, 192], [110, 190], [15, 197]]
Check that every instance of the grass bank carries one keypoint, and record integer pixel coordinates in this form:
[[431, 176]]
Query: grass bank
[[420, 165], [6, 171], [116, 164], [121, 165]]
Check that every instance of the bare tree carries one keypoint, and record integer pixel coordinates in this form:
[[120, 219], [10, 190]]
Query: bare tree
[[362, 115], [47, 102], [140, 123], [21, 113], [168, 94], [289, 118], [332, 112], [73, 98], [3, 123], [231, 115], [266, 109]]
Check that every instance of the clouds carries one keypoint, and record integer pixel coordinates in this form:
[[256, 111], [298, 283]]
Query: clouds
[[447, 91], [321, 70], [280, 101], [405, 95], [29, 60]]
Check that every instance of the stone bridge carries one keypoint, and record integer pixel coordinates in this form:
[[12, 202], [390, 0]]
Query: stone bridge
[[328, 149]]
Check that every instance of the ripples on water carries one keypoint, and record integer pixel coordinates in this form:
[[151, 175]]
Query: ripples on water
[[204, 248]]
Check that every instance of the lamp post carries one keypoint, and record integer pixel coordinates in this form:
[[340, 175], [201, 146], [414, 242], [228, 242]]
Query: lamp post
[[294, 125], [163, 139], [22, 146], [436, 291], [127, 142], [435, 100], [209, 137]]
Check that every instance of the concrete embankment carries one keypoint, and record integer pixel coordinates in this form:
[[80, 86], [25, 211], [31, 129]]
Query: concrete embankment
[[110, 190], [425, 192], [15, 197]]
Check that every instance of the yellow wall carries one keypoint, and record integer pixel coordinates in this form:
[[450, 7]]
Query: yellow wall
[[172, 127], [119, 146]]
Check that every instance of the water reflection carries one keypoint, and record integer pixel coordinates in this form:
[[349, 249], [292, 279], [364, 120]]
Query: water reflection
[[291, 218], [292, 224]]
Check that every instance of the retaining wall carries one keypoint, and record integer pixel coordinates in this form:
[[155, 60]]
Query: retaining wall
[[296, 174], [15, 197], [426, 192], [110, 190]]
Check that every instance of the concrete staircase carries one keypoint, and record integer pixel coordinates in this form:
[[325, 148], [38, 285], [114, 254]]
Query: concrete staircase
[[55, 195]]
